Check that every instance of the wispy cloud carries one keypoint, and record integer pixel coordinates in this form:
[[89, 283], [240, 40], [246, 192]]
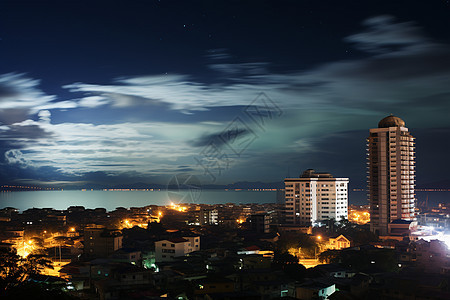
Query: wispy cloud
[[19, 92], [384, 35]]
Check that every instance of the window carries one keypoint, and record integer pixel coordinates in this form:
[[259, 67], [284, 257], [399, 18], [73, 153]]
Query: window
[[163, 245], [172, 245]]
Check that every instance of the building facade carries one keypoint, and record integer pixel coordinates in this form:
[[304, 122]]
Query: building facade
[[101, 242], [391, 174], [337, 243], [167, 250], [209, 217], [314, 197], [259, 223]]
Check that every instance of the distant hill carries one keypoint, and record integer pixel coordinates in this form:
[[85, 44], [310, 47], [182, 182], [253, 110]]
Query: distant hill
[[142, 185]]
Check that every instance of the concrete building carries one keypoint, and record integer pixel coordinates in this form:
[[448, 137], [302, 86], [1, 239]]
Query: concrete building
[[209, 217], [391, 174], [317, 289], [167, 250], [259, 223], [314, 197], [101, 242]]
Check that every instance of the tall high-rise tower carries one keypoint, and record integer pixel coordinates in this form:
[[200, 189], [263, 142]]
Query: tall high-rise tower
[[391, 174]]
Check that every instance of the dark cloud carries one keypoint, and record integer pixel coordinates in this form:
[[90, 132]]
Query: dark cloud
[[113, 165], [301, 87], [384, 35], [7, 91], [218, 54], [219, 139], [186, 169], [16, 173], [25, 132], [433, 60], [13, 115], [344, 155]]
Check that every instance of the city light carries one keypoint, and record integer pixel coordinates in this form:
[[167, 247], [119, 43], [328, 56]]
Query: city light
[[178, 207], [359, 217], [25, 249]]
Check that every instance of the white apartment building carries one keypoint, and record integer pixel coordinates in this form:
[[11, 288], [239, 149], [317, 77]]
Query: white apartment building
[[167, 250], [314, 197], [209, 217], [391, 174]]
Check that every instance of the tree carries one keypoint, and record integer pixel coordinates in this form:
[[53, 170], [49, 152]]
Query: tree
[[329, 256], [284, 259], [287, 241], [16, 270]]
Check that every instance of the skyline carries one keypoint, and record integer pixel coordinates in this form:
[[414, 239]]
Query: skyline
[[114, 93]]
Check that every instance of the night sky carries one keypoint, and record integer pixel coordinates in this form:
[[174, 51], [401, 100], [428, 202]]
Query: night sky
[[119, 92]]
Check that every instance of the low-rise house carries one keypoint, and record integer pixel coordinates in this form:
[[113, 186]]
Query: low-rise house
[[167, 250], [315, 289], [213, 285], [337, 243], [78, 273], [433, 256], [128, 255], [255, 261], [334, 270], [274, 288], [101, 242]]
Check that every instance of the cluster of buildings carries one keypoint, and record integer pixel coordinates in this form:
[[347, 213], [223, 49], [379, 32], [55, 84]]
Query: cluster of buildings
[[314, 197]]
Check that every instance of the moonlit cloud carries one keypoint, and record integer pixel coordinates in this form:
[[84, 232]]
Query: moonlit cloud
[[77, 148], [44, 116], [93, 101], [18, 91], [16, 157]]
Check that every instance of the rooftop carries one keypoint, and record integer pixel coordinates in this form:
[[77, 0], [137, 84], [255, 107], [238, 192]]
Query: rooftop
[[391, 121]]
